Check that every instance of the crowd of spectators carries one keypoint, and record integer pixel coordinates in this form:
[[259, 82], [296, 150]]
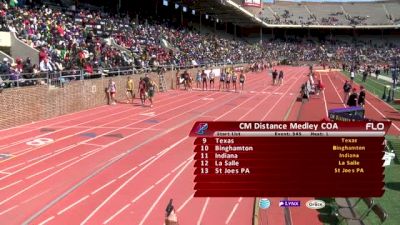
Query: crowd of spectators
[[296, 51], [335, 18], [81, 41]]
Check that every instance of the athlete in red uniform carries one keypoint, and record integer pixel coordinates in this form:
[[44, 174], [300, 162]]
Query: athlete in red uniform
[[142, 90]]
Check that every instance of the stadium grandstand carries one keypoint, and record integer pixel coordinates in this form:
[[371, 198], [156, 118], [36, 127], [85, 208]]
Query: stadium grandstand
[[97, 99]]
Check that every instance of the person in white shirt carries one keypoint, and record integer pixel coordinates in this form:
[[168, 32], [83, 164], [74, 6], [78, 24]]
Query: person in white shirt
[[352, 75], [45, 66]]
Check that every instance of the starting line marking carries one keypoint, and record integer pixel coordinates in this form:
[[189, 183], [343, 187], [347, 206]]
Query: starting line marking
[[207, 99]]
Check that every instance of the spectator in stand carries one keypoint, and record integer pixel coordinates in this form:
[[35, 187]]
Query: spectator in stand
[[46, 66], [5, 67]]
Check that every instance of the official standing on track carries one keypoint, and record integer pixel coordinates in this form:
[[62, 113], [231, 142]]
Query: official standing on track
[[170, 215], [361, 97], [352, 101], [346, 90]]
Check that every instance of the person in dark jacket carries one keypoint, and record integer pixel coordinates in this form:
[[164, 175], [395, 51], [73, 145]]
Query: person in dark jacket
[[361, 97], [352, 101], [346, 90]]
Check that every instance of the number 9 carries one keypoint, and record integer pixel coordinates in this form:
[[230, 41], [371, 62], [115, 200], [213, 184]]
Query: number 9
[[204, 140]]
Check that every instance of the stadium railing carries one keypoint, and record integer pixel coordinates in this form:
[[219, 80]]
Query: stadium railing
[[60, 78]]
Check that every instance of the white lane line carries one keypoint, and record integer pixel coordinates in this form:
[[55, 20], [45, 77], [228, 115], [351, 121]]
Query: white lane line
[[147, 160], [11, 167], [180, 165], [12, 184], [126, 183], [337, 93], [102, 187], [6, 173], [323, 94], [47, 220], [127, 172], [39, 157], [40, 172], [120, 155], [117, 213], [36, 196], [93, 144], [163, 178], [41, 180], [73, 204], [142, 194], [65, 162], [233, 211], [185, 203], [35, 163], [164, 112], [279, 100], [164, 191], [203, 210], [8, 210]]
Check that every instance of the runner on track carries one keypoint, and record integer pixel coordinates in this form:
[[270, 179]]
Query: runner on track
[[242, 79], [280, 78], [111, 90], [274, 75], [130, 94], [198, 79], [151, 89], [204, 79], [142, 90], [234, 79], [228, 81], [222, 80], [186, 77], [212, 79]]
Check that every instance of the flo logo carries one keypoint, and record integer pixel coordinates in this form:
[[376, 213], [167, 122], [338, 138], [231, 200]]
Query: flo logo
[[201, 128]]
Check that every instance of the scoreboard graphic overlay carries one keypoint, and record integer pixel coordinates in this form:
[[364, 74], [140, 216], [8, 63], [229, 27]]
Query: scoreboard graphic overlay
[[253, 159]]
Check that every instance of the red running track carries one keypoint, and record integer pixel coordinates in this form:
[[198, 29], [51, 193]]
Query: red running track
[[121, 164]]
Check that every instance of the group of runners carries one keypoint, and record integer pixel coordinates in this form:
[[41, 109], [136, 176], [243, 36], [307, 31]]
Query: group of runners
[[277, 79], [206, 81], [146, 90]]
